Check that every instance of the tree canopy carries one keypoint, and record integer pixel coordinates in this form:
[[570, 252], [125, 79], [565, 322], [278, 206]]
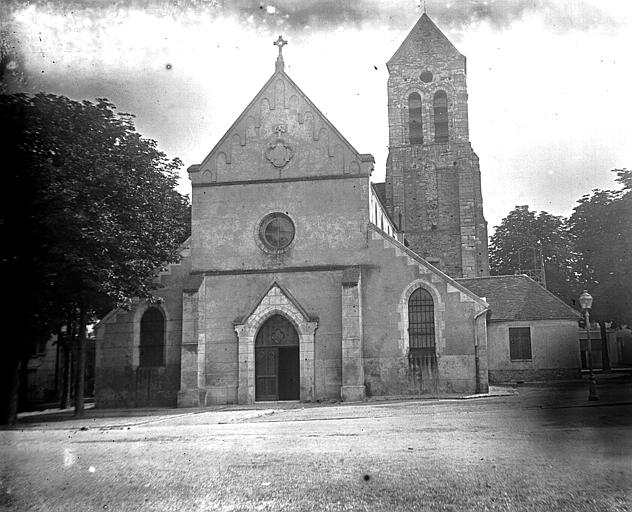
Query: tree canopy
[[89, 211], [590, 250], [523, 236], [601, 225]]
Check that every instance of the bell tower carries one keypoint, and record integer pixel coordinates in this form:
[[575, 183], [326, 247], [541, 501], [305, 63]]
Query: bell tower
[[433, 179]]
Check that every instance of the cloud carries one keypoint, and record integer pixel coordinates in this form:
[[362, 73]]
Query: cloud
[[562, 15]]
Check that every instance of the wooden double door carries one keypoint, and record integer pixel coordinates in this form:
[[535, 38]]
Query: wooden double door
[[277, 373]]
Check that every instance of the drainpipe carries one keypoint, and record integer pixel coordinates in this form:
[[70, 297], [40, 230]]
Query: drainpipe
[[476, 362]]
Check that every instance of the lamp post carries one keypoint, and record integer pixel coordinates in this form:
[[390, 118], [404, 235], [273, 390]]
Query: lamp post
[[586, 300]]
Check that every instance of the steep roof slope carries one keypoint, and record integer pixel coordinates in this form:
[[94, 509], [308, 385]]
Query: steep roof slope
[[280, 118], [425, 36], [518, 298], [380, 190]]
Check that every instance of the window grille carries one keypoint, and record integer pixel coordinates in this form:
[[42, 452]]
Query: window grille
[[421, 330], [520, 343]]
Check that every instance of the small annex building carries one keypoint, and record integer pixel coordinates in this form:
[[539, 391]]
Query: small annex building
[[531, 334], [296, 283]]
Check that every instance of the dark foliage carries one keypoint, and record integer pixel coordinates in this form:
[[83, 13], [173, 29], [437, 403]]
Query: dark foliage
[[523, 236], [89, 213], [602, 228]]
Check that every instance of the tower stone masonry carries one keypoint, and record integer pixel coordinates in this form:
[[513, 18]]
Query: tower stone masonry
[[433, 180]]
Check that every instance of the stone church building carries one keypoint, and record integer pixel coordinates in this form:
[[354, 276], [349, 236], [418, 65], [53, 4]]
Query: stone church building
[[302, 280]]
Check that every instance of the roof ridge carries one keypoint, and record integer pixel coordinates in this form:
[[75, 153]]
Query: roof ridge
[[509, 290]]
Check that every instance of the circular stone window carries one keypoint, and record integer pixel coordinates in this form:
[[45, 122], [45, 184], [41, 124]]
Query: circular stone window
[[276, 231], [426, 76]]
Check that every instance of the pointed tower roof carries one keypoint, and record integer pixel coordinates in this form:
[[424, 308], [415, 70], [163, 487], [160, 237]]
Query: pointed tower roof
[[419, 37]]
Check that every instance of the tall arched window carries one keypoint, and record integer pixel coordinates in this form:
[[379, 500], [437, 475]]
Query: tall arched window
[[441, 116], [421, 332], [152, 338], [415, 132]]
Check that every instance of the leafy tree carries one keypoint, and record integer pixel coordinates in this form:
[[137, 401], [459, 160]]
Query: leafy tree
[[601, 225], [96, 215], [522, 235]]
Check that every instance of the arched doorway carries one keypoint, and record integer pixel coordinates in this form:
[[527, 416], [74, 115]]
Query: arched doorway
[[150, 374], [277, 374], [152, 339]]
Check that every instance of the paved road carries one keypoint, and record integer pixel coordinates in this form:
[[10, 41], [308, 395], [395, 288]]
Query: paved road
[[538, 449]]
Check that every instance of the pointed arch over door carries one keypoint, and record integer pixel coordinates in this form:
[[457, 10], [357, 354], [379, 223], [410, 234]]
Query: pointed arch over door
[[276, 302]]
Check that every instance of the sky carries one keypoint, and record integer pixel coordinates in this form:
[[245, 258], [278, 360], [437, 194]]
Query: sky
[[548, 80]]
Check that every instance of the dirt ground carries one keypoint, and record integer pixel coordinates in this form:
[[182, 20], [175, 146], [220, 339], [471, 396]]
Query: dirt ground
[[531, 448]]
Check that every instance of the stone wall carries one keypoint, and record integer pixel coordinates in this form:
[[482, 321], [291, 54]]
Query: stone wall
[[554, 350], [329, 216], [392, 277], [229, 300], [118, 382]]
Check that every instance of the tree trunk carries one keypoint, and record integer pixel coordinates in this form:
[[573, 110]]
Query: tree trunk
[[60, 340], [23, 384], [605, 355], [80, 374], [66, 388], [9, 382]]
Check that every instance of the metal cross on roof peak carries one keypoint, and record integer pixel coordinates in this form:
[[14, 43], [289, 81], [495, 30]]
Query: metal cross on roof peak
[[280, 42]]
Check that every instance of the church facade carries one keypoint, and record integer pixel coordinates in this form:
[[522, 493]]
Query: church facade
[[302, 280]]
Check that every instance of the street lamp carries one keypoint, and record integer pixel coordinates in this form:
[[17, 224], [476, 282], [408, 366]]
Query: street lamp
[[586, 300]]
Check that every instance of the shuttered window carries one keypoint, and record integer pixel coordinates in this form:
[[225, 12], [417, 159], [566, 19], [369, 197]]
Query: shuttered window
[[415, 129], [520, 343], [441, 116]]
